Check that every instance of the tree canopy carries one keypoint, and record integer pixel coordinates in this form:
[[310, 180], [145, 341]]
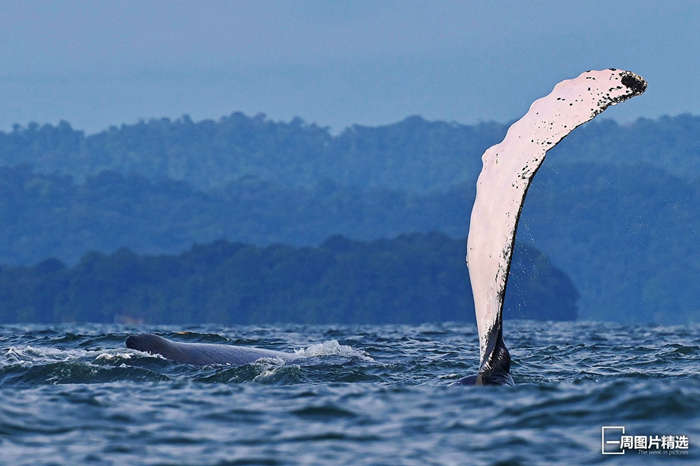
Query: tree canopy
[[615, 206], [412, 278], [412, 155]]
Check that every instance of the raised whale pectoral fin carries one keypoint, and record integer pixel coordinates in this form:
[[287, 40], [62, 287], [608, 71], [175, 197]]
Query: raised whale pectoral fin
[[508, 168]]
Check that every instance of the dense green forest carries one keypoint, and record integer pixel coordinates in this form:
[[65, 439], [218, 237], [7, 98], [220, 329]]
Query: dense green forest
[[52, 216], [615, 206], [626, 236], [413, 155], [413, 278]]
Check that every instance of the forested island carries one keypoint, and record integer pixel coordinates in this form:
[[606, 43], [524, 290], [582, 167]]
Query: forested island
[[614, 206], [410, 279]]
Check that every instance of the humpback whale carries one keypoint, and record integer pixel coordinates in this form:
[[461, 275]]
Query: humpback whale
[[507, 171], [202, 353]]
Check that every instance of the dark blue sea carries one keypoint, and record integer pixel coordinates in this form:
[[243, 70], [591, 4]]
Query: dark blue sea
[[365, 394]]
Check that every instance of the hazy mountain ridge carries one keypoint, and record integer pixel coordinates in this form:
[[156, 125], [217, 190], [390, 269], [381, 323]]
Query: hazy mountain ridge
[[412, 155], [632, 226], [626, 215]]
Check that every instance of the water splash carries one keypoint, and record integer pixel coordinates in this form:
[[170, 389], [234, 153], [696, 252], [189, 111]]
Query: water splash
[[332, 348]]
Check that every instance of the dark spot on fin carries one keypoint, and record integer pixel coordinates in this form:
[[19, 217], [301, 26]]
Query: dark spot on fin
[[635, 84]]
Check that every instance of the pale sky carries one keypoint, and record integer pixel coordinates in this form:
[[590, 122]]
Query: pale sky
[[334, 63]]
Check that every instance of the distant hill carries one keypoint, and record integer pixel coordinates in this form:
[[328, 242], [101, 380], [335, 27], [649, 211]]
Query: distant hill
[[413, 155], [615, 206], [413, 278], [627, 236], [53, 216]]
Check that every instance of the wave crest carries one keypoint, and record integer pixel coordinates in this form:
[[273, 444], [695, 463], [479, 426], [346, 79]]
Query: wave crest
[[332, 348]]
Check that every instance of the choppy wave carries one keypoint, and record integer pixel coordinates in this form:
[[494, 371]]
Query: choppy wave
[[355, 395], [70, 362], [332, 348]]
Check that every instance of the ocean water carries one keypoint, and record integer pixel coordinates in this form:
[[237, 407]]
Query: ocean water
[[72, 394]]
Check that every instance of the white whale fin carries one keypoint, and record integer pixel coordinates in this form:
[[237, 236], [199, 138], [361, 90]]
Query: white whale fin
[[508, 169]]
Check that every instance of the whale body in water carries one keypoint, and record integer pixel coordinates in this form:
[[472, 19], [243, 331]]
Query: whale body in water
[[508, 169], [202, 353]]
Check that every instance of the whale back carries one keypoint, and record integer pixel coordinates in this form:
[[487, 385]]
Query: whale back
[[508, 169], [201, 353]]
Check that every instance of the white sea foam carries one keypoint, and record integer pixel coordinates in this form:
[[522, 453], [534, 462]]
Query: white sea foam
[[112, 356], [273, 373], [133, 352], [34, 354], [272, 361], [331, 348]]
